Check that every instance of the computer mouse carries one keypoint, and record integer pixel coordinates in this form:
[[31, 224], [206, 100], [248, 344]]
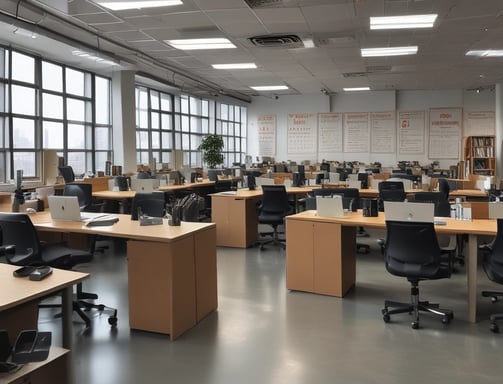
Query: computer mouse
[[31, 210]]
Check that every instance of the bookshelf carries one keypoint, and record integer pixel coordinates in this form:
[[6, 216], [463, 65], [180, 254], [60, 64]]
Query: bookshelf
[[480, 155]]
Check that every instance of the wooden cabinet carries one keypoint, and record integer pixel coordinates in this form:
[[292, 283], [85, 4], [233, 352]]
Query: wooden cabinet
[[320, 257], [480, 155]]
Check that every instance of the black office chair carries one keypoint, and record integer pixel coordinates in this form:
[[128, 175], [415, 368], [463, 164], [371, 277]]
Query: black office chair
[[16, 229], [272, 211], [448, 243], [444, 187], [67, 173], [412, 251], [493, 266], [390, 191], [150, 203]]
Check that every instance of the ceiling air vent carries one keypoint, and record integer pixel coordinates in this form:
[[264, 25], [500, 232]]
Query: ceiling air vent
[[355, 74], [284, 41], [264, 3]]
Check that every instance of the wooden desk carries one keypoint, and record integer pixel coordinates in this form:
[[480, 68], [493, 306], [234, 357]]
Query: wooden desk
[[15, 292], [172, 273], [235, 214], [319, 248], [468, 193], [188, 186]]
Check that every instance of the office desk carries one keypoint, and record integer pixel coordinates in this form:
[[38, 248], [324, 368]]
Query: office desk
[[321, 251], [172, 274], [15, 292], [468, 193], [235, 214]]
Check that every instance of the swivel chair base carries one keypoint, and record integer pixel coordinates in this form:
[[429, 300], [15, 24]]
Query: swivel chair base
[[275, 240], [495, 317], [414, 307]]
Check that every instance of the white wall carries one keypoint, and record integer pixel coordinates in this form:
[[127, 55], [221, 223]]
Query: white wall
[[373, 101]]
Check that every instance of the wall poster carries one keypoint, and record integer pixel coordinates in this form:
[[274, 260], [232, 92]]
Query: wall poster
[[479, 124], [445, 133], [330, 132], [383, 132], [301, 133], [411, 130], [266, 125], [356, 132]]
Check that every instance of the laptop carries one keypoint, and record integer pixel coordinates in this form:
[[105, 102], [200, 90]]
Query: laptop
[[66, 208], [329, 206], [404, 211], [143, 185], [264, 181]]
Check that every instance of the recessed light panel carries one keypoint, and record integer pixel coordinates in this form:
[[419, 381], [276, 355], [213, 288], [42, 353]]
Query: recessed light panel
[[355, 89], [235, 66], [195, 44], [269, 87], [122, 5], [403, 22], [389, 51]]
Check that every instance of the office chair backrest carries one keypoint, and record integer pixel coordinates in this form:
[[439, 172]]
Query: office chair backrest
[[391, 185], [17, 229], [411, 249], [444, 187], [442, 205], [83, 191], [151, 204], [493, 262], [122, 182], [274, 199], [67, 173]]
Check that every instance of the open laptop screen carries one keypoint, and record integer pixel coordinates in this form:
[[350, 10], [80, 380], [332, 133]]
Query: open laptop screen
[[404, 211]]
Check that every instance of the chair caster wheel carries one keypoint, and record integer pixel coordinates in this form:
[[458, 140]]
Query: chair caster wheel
[[494, 328], [385, 316], [494, 299], [414, 325], [101, 307], [446, 320], [112, 321]]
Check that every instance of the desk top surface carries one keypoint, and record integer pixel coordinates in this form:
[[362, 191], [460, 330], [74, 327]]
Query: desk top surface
[[451, 226], [18, 290], [125, 228], [245, 193]]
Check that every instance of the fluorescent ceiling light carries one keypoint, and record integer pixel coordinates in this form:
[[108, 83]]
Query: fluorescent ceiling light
[[94, 57], [193, 44], [486, 53], [270, 87], [356, 89], [389, 51], [122, 5], [403, 22], [235, 66], [24, 33]]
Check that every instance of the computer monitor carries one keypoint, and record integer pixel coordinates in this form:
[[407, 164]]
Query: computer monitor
[[299, 179]]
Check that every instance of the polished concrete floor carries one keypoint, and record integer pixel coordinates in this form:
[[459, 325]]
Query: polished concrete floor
[[262, 333]]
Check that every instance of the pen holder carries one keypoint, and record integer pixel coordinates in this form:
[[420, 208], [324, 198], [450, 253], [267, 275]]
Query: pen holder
[[175, 216]]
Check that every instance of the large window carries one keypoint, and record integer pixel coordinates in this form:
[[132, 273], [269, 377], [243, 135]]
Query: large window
[[49, 106], [231, 124], [165, 123], [154, 132]]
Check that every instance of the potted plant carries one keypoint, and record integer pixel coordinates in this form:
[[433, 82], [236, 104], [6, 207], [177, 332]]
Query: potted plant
[[212, 146]]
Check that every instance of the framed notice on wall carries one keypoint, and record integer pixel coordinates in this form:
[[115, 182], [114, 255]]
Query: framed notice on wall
[[301, 133], [411, 130], [330, 132], [479, 124], [383, 132], [356, 132], [267, 135], [445, 133]]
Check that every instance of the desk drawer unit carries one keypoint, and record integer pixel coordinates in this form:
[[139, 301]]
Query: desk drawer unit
[[320, 257]]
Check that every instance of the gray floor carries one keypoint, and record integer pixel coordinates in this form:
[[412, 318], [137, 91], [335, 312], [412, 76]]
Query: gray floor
[[263, 333]]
